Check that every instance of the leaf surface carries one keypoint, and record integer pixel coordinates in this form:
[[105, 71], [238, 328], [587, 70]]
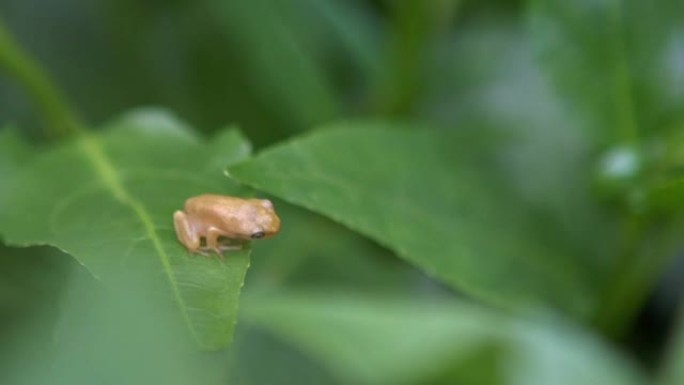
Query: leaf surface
[[108, 200], [420, 194]]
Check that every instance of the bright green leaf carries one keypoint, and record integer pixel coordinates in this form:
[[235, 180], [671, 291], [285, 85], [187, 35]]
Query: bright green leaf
[[366, 339], [108, 200], [418, 193]]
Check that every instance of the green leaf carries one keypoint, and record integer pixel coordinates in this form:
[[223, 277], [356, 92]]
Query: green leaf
[[355, 29], [108, 200], [14, 152], [366, 339], [301, 255], [612, 58], [124, 336], [418, 193]]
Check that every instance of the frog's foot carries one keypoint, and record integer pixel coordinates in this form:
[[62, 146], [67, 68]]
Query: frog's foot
[[207, 252], [222, 246], [226, 244], [218, 251], [203, 251]]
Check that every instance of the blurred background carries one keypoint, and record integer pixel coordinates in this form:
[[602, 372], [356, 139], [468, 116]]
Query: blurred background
[[275, 68], [543, 77]]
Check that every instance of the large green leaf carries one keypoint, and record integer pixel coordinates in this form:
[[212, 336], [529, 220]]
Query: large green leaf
[[366, 339], [108, 200], [615, 60], [418, 193]]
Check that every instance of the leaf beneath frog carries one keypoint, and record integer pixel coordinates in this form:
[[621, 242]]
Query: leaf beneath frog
[[108, 200], [418, 193]]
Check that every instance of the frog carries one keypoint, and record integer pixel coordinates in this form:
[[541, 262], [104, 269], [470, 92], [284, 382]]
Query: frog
[[221, 218]]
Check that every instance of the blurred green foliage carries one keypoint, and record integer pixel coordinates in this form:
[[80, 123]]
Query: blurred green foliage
[[471, 192]]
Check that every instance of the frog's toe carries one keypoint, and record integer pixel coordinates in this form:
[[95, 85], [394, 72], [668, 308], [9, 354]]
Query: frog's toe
[[225, 247]]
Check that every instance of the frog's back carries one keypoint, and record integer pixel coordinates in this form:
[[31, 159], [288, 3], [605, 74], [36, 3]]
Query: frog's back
[[212, 200], [217, 207]]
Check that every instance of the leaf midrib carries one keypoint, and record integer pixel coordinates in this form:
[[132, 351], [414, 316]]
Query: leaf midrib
[[105, 170]]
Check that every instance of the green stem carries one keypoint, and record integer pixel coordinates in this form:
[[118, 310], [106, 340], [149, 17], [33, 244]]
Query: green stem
[[59, 117], [414, 27], [622, 296], [634, 273], [627, 127], [647, 250]]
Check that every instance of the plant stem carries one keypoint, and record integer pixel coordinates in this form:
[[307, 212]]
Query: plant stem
[[59, 117], [627, 127], [634, 273], [635, 277], [414, 27], [621, 297]]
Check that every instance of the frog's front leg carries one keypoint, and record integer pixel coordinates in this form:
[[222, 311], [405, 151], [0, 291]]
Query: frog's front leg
[[212, 238], [185, 233], [218, 242]]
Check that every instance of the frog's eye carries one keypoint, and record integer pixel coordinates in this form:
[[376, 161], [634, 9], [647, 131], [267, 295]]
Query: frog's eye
[[257, 235]]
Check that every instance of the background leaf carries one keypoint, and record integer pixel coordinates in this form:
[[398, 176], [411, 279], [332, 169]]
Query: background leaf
[[546, 155], [613, 59], [14, 152], [366, 339], [279, 58], [418, 193], [108, 200]]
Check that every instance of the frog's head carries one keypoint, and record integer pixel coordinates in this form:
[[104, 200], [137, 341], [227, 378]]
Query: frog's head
[[266, 222]]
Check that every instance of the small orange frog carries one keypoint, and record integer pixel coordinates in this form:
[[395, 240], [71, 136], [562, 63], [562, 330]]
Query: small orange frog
[[213, 216]]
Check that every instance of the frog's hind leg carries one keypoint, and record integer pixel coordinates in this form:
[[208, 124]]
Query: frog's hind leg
[[185, 233]]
